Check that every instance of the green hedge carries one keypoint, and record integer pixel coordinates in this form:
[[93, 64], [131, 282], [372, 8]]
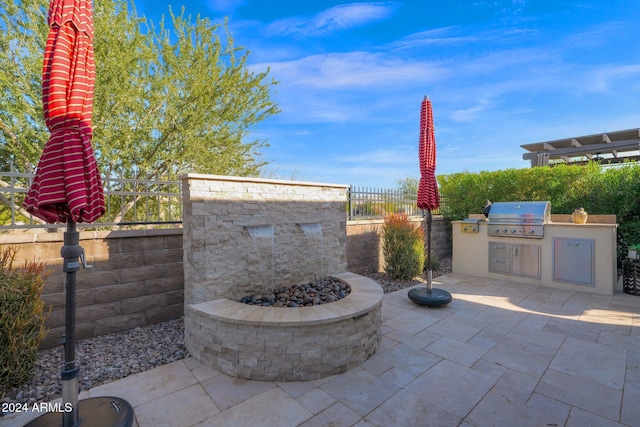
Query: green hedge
[[604, 191]]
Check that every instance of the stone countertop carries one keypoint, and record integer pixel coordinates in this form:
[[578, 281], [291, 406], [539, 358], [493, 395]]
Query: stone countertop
[[565, 219]]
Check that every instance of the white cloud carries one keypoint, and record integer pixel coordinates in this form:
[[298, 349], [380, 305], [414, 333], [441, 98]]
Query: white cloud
[[353, 69], [604, 77], [434, 37], [471, 114], [336, 19], [595, 37]]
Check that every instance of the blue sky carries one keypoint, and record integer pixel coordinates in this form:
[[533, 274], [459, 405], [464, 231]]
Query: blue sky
[[499, 73]]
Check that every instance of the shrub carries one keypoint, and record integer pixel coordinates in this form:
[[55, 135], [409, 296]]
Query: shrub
[[21, 318], [402, 247]]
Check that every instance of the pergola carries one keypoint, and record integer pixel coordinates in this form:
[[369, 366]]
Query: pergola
[[606, 148]]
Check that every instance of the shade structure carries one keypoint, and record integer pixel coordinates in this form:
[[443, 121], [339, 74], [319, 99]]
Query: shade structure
[[67, 187], [428, 198]]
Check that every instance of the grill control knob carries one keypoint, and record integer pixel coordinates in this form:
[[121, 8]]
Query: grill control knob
[[505, 230], [497, 230], [513, 231]]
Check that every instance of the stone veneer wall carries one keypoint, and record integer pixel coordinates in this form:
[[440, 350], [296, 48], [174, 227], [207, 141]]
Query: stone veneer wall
[[222, 259], [136, 279], [287, 344]]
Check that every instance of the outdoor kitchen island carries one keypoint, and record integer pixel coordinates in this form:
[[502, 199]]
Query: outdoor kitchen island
[[577, 257]]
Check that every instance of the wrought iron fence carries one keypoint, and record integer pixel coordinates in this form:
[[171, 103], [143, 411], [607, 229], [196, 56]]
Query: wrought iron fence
[[129, 203], [368, 203], [134, 203]]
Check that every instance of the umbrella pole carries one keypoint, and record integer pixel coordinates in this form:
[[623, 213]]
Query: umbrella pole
[[71, 252], [98, 411], [429, 272], [426, 295]]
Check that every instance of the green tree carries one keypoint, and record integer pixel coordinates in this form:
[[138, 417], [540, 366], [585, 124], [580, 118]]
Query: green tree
[[166, 100], [23, 34], [408, 185]]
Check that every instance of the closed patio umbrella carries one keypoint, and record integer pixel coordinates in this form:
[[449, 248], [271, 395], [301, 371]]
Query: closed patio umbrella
[[428, 199], [67, 186]]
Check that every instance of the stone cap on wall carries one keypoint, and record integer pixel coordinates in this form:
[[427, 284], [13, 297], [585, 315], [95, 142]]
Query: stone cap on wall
[[45, 237], [259, 180]]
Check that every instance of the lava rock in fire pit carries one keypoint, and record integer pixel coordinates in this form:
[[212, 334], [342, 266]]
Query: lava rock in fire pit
[[323, 291]]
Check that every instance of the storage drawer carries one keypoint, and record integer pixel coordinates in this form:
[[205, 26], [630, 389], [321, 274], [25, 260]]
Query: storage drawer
[[499, 250], [499, 257], [499, 265]]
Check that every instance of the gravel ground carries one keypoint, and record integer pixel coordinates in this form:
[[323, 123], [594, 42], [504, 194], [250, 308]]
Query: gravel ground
[[396, 285], [103, 359], [111, 357]]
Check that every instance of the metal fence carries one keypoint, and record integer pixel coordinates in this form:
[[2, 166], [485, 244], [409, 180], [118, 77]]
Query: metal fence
[[129, 203], [134, 203], [368, 203]]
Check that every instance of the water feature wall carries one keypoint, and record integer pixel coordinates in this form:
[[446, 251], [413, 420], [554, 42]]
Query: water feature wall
[[247, 235]]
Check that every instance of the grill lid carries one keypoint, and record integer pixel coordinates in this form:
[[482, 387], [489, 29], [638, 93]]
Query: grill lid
[[520, 213]]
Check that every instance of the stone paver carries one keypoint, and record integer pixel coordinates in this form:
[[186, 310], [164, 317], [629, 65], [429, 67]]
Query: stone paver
[[360, 390], [500, 354], [190, 405]]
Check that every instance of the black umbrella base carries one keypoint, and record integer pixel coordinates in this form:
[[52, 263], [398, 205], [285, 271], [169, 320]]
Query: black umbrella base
[[94, 412], [433, 298]]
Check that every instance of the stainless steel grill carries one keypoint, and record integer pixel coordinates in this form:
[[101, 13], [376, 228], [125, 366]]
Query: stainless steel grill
[[518, 219]]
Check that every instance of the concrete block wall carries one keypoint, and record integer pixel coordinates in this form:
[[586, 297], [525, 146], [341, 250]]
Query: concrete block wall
[[249, 235], [136, 279]]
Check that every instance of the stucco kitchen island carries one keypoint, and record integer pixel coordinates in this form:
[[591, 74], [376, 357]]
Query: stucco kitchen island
[[577, 257]]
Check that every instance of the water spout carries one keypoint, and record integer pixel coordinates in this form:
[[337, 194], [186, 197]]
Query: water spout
[[315, 245], [264, 243]]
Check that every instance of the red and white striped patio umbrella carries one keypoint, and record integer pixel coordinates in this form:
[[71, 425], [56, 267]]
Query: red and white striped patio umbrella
[[428, 198], [428, 195], [67, 185]]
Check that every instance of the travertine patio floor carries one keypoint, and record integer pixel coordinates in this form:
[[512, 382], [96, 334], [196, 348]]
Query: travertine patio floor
[[500, 354]]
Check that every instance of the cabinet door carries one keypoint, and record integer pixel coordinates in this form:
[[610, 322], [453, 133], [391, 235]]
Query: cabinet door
[[525, 260], [573, 261]]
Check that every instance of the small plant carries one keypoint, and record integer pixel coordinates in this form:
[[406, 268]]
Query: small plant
[[21, 318], [402, 247]]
